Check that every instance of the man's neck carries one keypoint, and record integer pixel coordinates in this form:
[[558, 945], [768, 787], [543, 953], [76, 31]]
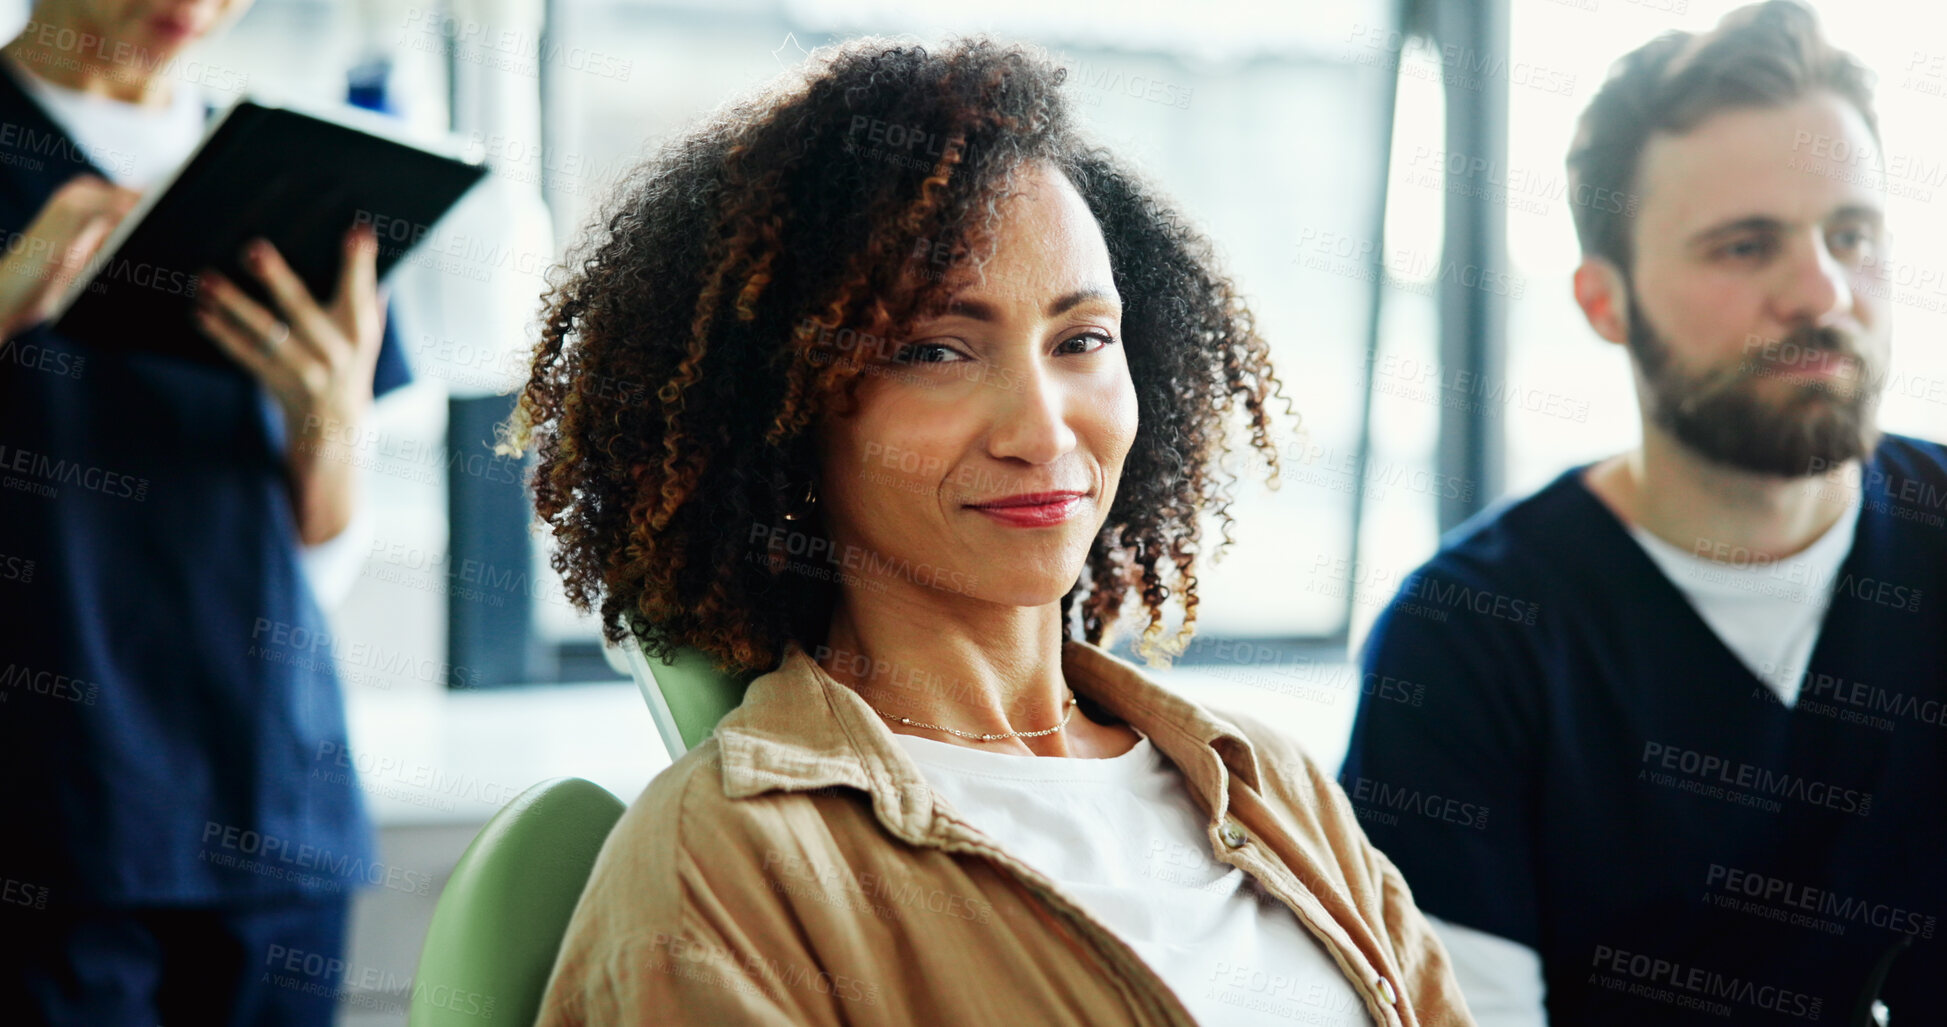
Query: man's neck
[[1718, 512], [103, 67]]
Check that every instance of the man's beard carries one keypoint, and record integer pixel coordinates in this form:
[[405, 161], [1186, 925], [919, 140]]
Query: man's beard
[[1723, 415]]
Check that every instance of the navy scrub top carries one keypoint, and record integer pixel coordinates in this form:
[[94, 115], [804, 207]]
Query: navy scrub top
[[171, 725], [1592, 773]]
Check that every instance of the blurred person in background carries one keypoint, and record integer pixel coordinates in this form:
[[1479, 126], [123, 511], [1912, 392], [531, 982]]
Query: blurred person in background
[[176, 850], [922, 391], [1712, 757]]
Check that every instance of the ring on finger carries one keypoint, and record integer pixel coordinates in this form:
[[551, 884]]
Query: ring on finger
[[277, 337]]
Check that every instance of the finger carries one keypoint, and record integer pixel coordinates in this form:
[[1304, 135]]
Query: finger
[[86, 197], [287, 291], [233, 340], [82, 248], [71, 209], [356, 303], [258, 325]]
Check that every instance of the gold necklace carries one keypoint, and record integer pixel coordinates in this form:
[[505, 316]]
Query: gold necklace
[[1068, 706]]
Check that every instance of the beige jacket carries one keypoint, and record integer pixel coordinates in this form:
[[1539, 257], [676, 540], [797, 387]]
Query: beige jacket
[[797, 869]]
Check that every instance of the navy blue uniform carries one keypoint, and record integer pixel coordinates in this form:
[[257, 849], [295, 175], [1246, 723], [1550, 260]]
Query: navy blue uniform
[[169, 724], [1592, 773]]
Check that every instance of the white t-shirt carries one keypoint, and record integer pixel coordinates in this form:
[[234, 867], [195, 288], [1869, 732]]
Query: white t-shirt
[[1767, 613], [135, 145], [1124, 838]]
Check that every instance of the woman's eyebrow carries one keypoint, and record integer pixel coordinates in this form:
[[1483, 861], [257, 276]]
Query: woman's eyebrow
[[1079, 296], [981, 310]]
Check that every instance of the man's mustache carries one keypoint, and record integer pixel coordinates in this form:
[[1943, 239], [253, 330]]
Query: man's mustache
[[1809, 346]]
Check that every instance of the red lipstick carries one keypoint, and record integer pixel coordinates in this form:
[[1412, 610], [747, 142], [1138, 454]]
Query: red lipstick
[[1032, 509]]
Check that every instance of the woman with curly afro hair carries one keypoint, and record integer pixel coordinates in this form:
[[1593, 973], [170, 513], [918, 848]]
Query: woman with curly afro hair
[[885, 386]]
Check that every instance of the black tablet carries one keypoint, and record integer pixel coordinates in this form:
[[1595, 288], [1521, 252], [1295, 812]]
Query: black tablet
[[299, 180]]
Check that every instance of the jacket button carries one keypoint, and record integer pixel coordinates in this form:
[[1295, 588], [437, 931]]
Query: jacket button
[[1386, 991], [1232, 834]]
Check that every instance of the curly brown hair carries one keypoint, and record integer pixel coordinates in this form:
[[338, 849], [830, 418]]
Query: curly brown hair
[[690, 343]]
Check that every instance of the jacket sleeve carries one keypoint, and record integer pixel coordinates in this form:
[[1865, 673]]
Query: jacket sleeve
[[670, 979], [680, 924]]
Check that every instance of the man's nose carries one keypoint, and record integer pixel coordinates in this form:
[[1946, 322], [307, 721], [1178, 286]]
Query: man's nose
[[1819, 289]]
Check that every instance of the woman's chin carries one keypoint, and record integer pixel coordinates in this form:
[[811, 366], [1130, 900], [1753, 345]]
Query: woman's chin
[[1023, 591]]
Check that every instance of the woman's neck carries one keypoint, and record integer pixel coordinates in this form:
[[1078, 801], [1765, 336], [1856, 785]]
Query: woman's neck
[[979, 668]]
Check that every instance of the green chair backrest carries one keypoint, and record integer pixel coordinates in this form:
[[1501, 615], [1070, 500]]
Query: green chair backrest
[[501, 917], [686, 696]]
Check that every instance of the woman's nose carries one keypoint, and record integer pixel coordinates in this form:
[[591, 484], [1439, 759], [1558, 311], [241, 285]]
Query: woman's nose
[[1031, 418]]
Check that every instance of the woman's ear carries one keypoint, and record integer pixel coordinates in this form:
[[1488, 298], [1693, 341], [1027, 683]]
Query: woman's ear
[[1603, 295]]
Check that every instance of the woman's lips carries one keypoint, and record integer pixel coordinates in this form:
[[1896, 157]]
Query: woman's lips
[[1036, 510], [173, 29]]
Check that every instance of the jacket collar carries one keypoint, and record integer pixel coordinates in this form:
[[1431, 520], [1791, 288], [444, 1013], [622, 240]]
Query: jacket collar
[[798, 729]]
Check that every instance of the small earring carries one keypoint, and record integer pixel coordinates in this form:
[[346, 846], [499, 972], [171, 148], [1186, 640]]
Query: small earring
[[804, 505]]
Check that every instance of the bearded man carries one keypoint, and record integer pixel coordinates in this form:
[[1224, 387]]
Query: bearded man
[[1680, 757]]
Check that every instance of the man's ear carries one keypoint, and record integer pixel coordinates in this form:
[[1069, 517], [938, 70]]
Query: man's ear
[[1603, 296]]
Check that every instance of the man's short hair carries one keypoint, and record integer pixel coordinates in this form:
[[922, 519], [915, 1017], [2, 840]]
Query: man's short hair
[[1764, 55]]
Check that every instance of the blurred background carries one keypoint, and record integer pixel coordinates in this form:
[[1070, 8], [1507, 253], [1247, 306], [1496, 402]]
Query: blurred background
[[1385, 181]]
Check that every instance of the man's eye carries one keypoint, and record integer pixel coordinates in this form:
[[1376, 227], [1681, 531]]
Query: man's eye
[[1747, 249], [1087, 342], [1848, 240]]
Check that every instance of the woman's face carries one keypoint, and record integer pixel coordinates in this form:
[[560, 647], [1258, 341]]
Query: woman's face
[[983, 452]]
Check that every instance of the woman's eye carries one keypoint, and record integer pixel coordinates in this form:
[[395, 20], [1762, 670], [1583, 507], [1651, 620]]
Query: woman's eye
[[926, 353], [1087, 342]]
